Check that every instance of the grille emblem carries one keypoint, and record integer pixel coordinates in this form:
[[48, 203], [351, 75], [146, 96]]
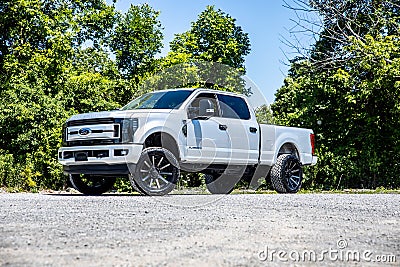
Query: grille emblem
[[85, 131]]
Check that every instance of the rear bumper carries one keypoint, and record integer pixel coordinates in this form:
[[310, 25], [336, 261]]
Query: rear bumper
[[308, 159]]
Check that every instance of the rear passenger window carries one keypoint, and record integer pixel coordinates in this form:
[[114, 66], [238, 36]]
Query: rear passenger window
[[233, 107]]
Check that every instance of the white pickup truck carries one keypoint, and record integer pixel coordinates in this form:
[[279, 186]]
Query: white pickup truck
[[154, 137]]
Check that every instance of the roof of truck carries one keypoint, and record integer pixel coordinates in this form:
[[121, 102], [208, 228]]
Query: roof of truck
[[201, 89]]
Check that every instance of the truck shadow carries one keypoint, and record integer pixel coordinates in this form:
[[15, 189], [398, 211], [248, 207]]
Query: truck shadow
[[122, 195]]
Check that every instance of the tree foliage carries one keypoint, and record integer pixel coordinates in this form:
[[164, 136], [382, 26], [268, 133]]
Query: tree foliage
[[347, 90], [137, 39], [214, 37]]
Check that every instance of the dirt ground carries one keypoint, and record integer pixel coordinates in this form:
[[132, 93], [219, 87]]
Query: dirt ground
[[199, 230]]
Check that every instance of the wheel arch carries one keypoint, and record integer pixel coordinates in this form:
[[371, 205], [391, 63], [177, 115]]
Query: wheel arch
[[288, 148], [162, 139]]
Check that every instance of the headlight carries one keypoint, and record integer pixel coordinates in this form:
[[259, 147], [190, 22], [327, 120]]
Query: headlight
[[129, 127]]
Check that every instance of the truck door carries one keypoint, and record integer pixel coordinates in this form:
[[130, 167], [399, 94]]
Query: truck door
[[242, 128], [207, 139]]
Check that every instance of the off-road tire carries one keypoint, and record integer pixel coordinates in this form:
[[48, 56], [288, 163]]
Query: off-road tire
[[287, 174]]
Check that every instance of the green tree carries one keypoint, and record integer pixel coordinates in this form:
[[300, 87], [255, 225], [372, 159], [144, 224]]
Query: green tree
[[214, 37], [347, 90], [136, 40]]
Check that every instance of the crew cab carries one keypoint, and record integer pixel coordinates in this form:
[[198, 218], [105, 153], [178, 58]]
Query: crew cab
[[156, 136]]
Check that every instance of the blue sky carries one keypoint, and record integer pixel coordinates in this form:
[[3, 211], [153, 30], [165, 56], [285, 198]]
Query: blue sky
[[265, 22]]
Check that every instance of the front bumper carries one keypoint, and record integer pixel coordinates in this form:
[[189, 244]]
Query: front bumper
[[115, 170], [103, 155]]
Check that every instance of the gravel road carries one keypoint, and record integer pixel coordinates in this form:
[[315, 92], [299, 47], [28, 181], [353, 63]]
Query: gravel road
[[199, 230]]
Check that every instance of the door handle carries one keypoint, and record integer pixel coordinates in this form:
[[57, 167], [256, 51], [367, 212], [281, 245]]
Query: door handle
[[253, 129], [223, 127]]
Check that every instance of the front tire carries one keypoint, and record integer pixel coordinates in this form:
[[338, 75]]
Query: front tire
[[287, 174], [90, 184], [157, 172], [134, 185]]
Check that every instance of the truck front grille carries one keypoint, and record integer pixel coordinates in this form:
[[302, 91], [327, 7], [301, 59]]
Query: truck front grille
[[91, 132], [92, 121]]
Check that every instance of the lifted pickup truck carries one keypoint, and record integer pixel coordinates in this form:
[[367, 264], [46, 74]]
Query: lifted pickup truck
[[154, 137]]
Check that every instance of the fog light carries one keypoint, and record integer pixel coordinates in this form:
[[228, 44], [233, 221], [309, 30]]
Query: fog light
[[68, 155], [121, 152]]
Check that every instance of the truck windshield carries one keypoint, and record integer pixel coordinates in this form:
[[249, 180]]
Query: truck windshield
[[159, 100]]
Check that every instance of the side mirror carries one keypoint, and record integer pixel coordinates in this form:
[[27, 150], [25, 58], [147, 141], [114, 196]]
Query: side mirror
[[193, 112], [206, 108], [203, 112]]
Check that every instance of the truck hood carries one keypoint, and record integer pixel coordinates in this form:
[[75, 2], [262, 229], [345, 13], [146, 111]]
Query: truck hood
[[117, 114]]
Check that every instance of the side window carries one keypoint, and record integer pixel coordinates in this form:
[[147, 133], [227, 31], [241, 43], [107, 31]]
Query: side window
[[204, 105], [233, 107]]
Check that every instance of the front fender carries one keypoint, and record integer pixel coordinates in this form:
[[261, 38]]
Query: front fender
[[170, 124]]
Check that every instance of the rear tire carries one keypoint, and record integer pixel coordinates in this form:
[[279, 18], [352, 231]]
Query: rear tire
[[287, 174], [90, 184]]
